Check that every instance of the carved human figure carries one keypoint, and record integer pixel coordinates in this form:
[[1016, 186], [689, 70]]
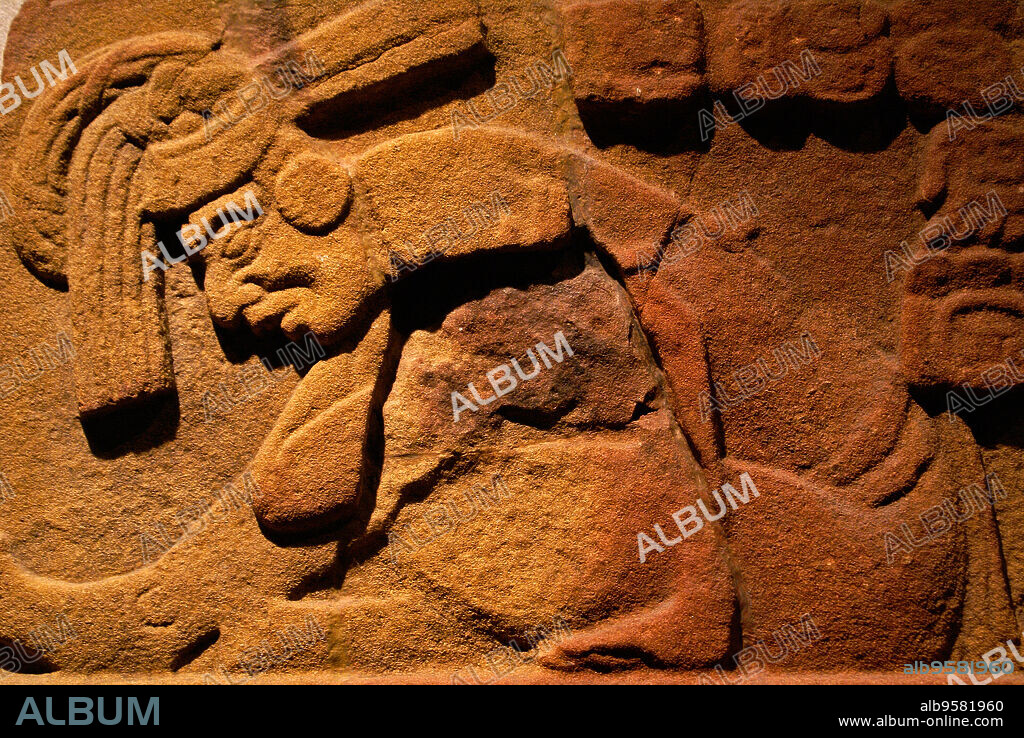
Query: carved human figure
[[334, 239], [842, 450]]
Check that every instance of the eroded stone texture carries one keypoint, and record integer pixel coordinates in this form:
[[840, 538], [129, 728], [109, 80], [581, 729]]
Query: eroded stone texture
[[760, 43], [947, 54], [635, 53], [962, 307], [453, 379]]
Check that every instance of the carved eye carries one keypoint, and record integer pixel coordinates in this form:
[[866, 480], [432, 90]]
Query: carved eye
[[313, 192], [226, 223]]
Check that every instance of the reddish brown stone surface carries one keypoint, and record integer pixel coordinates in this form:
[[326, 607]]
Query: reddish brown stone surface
[[615, 340]]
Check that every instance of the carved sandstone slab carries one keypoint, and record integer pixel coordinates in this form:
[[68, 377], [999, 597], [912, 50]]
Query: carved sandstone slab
[[620, 340]]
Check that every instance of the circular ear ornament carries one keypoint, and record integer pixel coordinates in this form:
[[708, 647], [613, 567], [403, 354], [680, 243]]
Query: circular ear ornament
[[313, 192]]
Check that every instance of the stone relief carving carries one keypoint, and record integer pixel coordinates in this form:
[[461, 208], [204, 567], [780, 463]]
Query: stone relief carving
[[189, 199]]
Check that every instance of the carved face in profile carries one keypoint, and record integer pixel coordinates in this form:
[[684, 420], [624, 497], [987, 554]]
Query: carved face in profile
[[302, 265], [963, 304]]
